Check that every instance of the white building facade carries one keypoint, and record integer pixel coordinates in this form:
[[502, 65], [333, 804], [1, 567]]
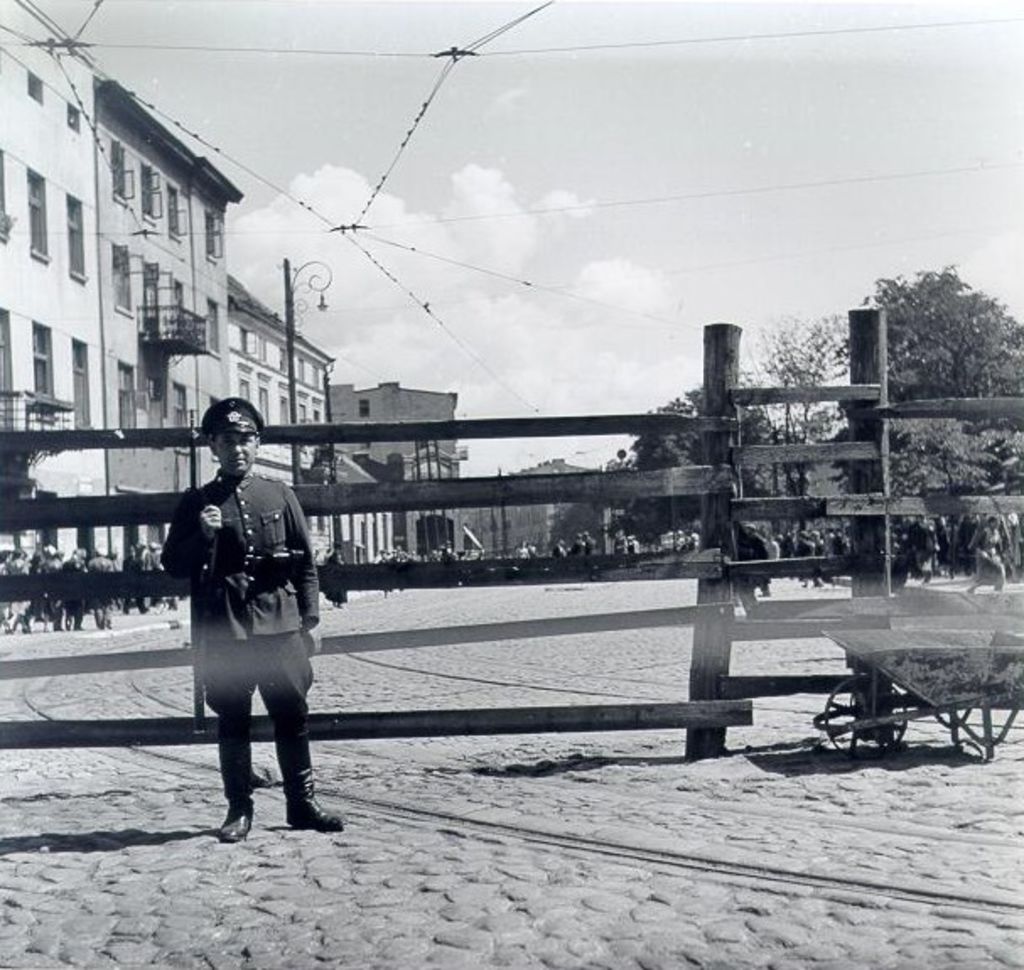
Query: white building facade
[[51, 345]]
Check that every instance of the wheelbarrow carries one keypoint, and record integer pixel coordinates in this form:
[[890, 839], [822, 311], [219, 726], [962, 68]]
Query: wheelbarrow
[[958, 677]]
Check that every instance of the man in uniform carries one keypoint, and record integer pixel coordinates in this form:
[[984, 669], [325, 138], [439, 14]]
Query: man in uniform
[[243, 541]]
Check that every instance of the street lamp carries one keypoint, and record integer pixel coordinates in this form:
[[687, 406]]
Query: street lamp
[[317, 280]]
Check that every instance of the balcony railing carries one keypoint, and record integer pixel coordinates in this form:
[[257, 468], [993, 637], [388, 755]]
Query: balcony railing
[[173, 329], [29, 411]]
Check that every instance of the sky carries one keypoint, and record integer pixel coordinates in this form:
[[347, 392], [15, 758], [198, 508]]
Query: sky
[[595, 184]]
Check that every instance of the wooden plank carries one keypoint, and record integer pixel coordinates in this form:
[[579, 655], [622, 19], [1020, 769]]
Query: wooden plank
[[752, 456], [802, 567], [363, 432], [712, 645], [409, 575], [512, 630], [922, 603], [511, 572], [757, 630], [876, 504], [600, 488], [967, 408], [735, 688], [869, 363], [359, 725], [756, 396], [778, 509]]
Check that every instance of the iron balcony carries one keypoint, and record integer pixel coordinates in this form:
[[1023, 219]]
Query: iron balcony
[[173, 329]]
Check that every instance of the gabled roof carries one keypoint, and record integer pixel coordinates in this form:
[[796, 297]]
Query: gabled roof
[[120, 102]]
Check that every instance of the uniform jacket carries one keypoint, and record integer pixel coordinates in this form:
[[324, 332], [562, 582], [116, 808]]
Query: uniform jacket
[[244, 581]]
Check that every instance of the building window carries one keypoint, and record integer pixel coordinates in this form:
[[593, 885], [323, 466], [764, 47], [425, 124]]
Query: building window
[[282, 403], [244, 388], [76, 239], [125, 395], [212, 326], [42, 359], [122, 278], [35, 87], [152, 197], [123, 179], [37, 213], [364, 408], [264, 402], [179, 404], [174, 220], [5, 219], [80, 368], [214, 234], [5, 351], [303, 414], [316, 415], [178, 293], [261, 347], [282, 361], [74, 118]]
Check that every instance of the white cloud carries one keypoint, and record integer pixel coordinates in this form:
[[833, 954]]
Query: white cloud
[[558, 355]]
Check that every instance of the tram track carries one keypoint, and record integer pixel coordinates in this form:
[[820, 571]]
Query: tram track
[[754, 873]]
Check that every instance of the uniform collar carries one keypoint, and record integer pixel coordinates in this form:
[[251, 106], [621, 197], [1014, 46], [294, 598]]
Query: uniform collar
[[239, 484]]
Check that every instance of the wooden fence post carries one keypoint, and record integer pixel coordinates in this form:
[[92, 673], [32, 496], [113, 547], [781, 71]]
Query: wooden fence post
[[712, 637], [869, 364]]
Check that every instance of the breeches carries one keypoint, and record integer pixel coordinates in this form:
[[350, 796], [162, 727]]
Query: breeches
[[277, 665]]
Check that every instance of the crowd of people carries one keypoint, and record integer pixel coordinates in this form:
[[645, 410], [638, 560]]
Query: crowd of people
[[49, 612]]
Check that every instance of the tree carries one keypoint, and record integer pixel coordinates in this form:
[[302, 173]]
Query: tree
[[949, 340], [796, 353]]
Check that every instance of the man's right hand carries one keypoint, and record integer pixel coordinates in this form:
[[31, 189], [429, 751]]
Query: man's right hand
[[210, 520]]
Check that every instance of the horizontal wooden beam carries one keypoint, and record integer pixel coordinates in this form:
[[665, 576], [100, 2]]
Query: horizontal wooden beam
[[756, 396], [922, 603], [800, 567], [598, 488], [751, 456], [512, 630], [777, 509], [875, 504], [360, 725], [756, 630], [407, 575], [735, 688], [966, 408], [364, 432]]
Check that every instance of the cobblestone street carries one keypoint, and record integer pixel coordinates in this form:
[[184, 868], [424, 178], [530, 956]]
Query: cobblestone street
[[574, 851]]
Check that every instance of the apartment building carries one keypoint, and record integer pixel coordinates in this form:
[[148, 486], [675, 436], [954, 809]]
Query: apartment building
[[161, 265], [52, 363], [419, 532]]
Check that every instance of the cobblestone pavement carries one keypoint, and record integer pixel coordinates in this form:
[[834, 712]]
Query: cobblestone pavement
[[575, 851]]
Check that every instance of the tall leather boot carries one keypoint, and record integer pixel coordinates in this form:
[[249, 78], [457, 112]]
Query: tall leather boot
[[303, 812], [236, 773]]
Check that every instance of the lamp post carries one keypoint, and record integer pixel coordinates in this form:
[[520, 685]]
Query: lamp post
[[318, 280]]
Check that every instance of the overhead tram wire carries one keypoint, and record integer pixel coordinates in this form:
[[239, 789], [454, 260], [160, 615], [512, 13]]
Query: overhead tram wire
[[92, 13], [712, 194], [567, 49], [425, 307], [528, 284], [453, 55]]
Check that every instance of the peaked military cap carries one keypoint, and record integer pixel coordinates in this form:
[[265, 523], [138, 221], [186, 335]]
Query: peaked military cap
[[232, 414]]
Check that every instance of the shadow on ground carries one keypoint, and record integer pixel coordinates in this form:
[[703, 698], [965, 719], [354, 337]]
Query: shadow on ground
[[574, 762], [820, 760], [98, 841]]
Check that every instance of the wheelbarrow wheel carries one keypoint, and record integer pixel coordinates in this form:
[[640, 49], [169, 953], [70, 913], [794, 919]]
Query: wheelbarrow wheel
[[849, 704]]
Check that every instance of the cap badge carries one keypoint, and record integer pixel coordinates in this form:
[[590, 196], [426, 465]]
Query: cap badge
[[234, 417]]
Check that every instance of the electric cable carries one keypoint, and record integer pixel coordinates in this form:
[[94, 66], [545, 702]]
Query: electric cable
[[454, 55], [92, 13], [713, 194], [425, 307], [565, 49]]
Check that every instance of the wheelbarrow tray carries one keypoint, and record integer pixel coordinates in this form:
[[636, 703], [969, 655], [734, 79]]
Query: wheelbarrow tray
[[943, 667]]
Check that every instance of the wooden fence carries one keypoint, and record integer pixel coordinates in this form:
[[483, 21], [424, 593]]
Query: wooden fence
[[717, 700]]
